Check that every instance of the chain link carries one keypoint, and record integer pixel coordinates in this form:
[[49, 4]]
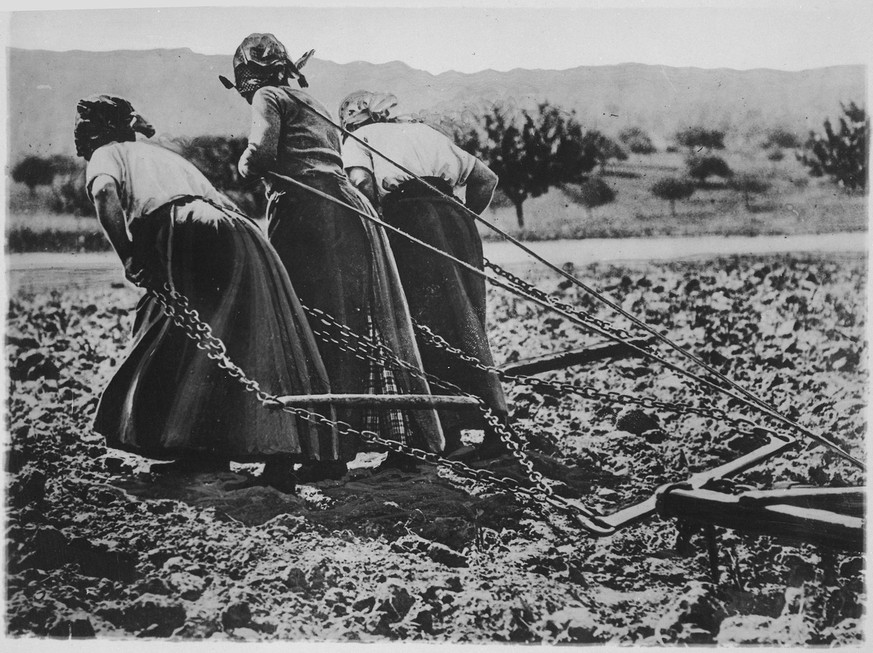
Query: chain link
[[539, 294], [742, 424], [378, 353], [176, 307]]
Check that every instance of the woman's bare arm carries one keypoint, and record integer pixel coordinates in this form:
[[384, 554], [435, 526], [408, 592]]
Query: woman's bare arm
[[480, 187], [111, 216]]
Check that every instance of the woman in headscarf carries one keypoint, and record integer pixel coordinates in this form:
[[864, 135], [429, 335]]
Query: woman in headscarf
[[338, 261], [441, 294], [168, 225]]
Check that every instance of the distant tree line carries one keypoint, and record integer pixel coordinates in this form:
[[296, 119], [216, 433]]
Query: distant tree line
[[215, 156], [531, 152]]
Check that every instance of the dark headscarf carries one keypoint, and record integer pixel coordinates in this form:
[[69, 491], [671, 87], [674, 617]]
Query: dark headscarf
[[261, 60], [102, 119]]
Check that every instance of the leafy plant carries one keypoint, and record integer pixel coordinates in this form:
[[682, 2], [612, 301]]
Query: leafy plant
[[698, 138], [775, 155], [606, 149], [793, 327], [778, 138], [749, 185], [530, 152], [33, 171], [217, 157], [702, 167], [69, 194], [595, 192], [842, 155], [636, 140], [673, 189]]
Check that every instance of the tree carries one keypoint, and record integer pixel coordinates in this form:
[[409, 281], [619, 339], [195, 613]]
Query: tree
[[778, 138], [841, 155], [672, 189], [749, 185], [595, 192], [775, 155], [530, 153], [33, 171], [636, 140], [217, 157], [604, 147], [701, 167], [698, 138], [68, 187]]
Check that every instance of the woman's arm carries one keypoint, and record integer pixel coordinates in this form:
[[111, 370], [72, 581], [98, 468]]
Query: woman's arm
[[111, 216], [263, 148], [480, 187], [363, 180]]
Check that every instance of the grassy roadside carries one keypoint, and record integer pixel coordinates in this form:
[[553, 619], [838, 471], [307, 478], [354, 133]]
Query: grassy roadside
[[795, 203]]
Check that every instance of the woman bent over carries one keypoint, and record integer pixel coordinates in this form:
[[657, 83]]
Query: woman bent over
[[442, 295], [168, 225]]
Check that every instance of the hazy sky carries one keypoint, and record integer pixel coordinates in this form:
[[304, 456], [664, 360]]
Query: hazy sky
[[470, 36]]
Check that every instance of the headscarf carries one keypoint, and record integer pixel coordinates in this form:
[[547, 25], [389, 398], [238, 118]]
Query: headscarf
[[366, 107], [261, 60], [102, 119]]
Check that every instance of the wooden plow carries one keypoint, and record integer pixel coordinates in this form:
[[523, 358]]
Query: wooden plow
[[828, 517]]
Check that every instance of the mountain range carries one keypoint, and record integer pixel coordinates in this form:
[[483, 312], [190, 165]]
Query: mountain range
[[179, 92]]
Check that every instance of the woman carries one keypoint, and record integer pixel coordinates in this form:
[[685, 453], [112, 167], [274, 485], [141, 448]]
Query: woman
[[338, 262], [168, 399], [441, 294]]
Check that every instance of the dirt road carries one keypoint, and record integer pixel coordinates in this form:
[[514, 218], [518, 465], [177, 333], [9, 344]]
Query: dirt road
[[36, 272]]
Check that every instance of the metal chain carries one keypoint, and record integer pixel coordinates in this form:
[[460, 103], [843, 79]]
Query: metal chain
[[703, 384], [381, 355], [742, 424], [536, 292], [176, 307]]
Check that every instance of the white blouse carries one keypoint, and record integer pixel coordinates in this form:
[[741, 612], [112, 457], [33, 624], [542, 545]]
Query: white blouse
[[416, 146], [148, 176]]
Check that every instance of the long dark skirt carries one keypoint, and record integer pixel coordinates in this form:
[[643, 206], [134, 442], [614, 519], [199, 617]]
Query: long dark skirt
[[342, 264], [443, 295], [167, 397]]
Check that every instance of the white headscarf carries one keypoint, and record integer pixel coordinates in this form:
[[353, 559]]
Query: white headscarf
[[365, 107]]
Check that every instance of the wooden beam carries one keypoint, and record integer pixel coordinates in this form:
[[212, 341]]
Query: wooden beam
[[570, 357], [816, 526], [648, 507], [844, 500], [381, 401]]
